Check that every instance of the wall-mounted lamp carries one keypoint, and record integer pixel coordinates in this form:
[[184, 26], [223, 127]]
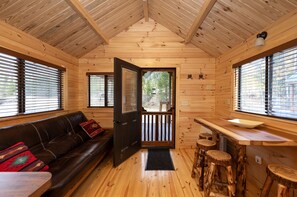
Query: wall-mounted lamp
[[260, 38], [201, 76], [190, 76]]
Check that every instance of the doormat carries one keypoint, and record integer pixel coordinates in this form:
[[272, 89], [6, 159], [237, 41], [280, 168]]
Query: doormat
[[159, 159]]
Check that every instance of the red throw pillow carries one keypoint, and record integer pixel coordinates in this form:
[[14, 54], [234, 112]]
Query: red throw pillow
[[19, 158], [91, 127]]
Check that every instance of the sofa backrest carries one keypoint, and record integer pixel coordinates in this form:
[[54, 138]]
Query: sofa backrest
[[47, 139]]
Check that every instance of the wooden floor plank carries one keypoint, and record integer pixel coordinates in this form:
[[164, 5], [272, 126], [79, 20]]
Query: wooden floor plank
[[130, 178]]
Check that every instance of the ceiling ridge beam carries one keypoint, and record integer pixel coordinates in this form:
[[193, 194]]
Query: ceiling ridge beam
[[205, 9], [145, 10], [83, 13]]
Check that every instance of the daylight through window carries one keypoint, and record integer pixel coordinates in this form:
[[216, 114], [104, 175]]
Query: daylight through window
[[268, 86], [101, 90], [28, 87]]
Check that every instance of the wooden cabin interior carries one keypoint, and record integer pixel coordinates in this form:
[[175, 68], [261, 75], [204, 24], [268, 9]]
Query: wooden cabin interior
[[206, 43]]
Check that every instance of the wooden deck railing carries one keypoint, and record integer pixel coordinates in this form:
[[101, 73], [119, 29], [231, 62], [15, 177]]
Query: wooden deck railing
[[157, 127]]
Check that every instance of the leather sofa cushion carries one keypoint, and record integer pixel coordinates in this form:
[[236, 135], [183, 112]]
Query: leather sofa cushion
[[67, 167], [57, 147], [20, 133]]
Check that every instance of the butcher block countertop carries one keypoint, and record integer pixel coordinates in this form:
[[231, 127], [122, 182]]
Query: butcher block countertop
[[261, 135]]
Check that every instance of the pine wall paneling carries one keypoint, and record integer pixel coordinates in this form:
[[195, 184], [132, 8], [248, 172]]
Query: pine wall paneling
[[282, 31], [149, 44], [20, 42]]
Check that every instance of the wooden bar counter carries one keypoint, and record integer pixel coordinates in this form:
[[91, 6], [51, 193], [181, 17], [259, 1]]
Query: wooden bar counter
[[242, 137]]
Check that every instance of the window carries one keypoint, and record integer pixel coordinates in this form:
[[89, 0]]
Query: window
[[28, 87], [100, 90], [268, 86]]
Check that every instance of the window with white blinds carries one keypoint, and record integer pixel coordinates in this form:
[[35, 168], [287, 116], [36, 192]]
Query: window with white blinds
[[43, 88], [268, 86], [101, 90], [28, 87], [9, 92]]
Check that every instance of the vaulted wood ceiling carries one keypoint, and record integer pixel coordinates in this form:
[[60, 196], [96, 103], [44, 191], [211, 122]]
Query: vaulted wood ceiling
[[59, 23]]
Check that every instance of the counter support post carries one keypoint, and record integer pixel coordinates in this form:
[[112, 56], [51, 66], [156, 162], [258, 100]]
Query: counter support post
[[240, 164]]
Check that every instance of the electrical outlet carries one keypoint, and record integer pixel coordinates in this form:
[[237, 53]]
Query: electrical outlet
[[258, 159]]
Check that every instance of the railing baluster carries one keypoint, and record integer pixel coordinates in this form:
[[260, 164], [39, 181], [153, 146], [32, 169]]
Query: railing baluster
[[161, 128], [157, 128], [144, 127], [168, 128], [165, 126], [152, 128]]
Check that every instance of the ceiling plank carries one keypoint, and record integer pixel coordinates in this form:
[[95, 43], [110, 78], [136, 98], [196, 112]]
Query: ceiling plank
[[82, 12], [205, 9], [145, 10]]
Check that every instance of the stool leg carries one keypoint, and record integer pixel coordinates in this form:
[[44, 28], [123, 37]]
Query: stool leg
[[196, 155], [266, 187], [201, 164], [209, 179], [231, 185], [281, 190]]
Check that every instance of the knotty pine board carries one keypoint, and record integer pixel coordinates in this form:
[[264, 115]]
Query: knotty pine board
[[149, 44], [20, 42], [284, 30]]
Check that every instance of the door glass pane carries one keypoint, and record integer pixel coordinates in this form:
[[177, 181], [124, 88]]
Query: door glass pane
[[129, 90]]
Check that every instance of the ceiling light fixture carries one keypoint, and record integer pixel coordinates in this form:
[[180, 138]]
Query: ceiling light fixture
[[260, 38]]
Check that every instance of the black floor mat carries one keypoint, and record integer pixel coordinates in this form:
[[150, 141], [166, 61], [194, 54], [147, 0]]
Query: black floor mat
[[159, 159]]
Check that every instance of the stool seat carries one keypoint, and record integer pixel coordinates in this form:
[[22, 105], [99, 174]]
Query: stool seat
[[206, 144], [219, 157], [283, 174], [285, 177], [206, 136]]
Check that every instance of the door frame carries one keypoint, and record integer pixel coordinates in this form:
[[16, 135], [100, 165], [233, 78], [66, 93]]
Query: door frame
[[174, 103]]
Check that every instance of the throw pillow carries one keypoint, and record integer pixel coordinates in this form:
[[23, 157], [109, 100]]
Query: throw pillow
[[91, 127], [19, 158]]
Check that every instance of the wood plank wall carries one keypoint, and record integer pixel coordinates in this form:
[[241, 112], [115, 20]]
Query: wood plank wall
[[149, 44], [20, 42], [281, 32]]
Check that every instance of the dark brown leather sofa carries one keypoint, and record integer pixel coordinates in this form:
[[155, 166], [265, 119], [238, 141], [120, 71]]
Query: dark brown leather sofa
[[62, 144]]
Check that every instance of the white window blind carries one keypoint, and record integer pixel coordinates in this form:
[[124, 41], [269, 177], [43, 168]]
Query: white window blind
[[28, 87], [8, 85], [110, 90], [284, 83], [268, 86], [96, 90], [43, 88], [101, 90]]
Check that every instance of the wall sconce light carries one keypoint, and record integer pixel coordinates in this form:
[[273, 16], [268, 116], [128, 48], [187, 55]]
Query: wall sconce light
[[201, 76], [260, 38], [190, 76]]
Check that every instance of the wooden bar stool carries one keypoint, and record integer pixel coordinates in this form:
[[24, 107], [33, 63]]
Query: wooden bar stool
[[218, 158], [285, 177], [202, 145], [206, 136]]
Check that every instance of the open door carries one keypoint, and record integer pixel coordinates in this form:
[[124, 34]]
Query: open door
[[127, 110]]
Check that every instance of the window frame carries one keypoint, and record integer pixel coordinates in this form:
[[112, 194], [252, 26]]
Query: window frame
[[21, 103], [105, 74], [267, 89]]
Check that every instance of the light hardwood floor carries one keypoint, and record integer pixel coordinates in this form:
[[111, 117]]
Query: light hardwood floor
[[130, 178]]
